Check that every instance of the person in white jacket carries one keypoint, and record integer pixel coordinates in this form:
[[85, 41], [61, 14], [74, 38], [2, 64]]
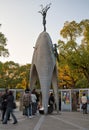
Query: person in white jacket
[[84, 103], [34, 103]]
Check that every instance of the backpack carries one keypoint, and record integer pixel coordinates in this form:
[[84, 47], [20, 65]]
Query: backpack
[[26, 100]]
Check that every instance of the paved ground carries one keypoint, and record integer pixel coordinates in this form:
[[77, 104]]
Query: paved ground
[[63, 121]]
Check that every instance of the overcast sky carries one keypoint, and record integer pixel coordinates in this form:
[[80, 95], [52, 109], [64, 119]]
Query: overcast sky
[[22, 24]]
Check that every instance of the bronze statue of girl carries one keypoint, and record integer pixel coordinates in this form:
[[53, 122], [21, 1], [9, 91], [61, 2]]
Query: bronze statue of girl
[[44, 12]]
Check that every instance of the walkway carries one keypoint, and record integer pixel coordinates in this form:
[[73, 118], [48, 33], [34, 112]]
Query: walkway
[[63, 121]]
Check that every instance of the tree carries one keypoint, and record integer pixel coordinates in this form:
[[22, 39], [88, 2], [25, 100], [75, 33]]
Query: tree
[[67, 76], [12, 75], [75, 54], [3, 51]]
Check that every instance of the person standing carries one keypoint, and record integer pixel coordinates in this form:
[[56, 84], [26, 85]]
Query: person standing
[[51, 103], [4, 103], [84, 103], [34, 102], [27, 103], [9, 109]]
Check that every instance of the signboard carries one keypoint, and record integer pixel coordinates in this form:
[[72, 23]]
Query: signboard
[[66, 97], [66, 100]]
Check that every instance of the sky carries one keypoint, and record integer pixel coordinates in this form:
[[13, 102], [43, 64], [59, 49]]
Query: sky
[[22, 23]]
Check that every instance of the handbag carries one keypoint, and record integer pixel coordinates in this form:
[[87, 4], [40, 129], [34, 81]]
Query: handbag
[[83, 106], [14, 105], [1, 107]]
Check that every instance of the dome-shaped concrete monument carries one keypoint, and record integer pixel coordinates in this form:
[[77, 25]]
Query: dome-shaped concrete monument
[[43, 68]]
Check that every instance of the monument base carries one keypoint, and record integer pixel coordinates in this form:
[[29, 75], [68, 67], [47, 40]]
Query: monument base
[[50, 109]]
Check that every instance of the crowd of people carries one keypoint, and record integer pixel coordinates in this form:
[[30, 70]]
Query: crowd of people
[[30, 103]]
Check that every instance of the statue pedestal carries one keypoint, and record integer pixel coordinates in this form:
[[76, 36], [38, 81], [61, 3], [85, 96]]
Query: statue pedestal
[[50, 109]]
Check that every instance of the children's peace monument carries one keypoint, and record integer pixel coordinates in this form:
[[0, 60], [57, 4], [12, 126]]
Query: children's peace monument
[[43, 66]]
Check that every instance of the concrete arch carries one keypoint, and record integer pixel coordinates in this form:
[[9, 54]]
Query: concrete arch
[[43, 67], [55, 87], [34, 76]]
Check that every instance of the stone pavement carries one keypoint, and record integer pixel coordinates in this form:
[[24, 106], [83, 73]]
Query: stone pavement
[[61, 121]]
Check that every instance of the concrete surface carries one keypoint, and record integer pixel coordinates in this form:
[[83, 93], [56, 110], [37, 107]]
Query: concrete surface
[[63, 121]]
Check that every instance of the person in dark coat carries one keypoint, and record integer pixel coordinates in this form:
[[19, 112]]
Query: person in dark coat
[[9, 109], [4, 103], [51, 103]]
